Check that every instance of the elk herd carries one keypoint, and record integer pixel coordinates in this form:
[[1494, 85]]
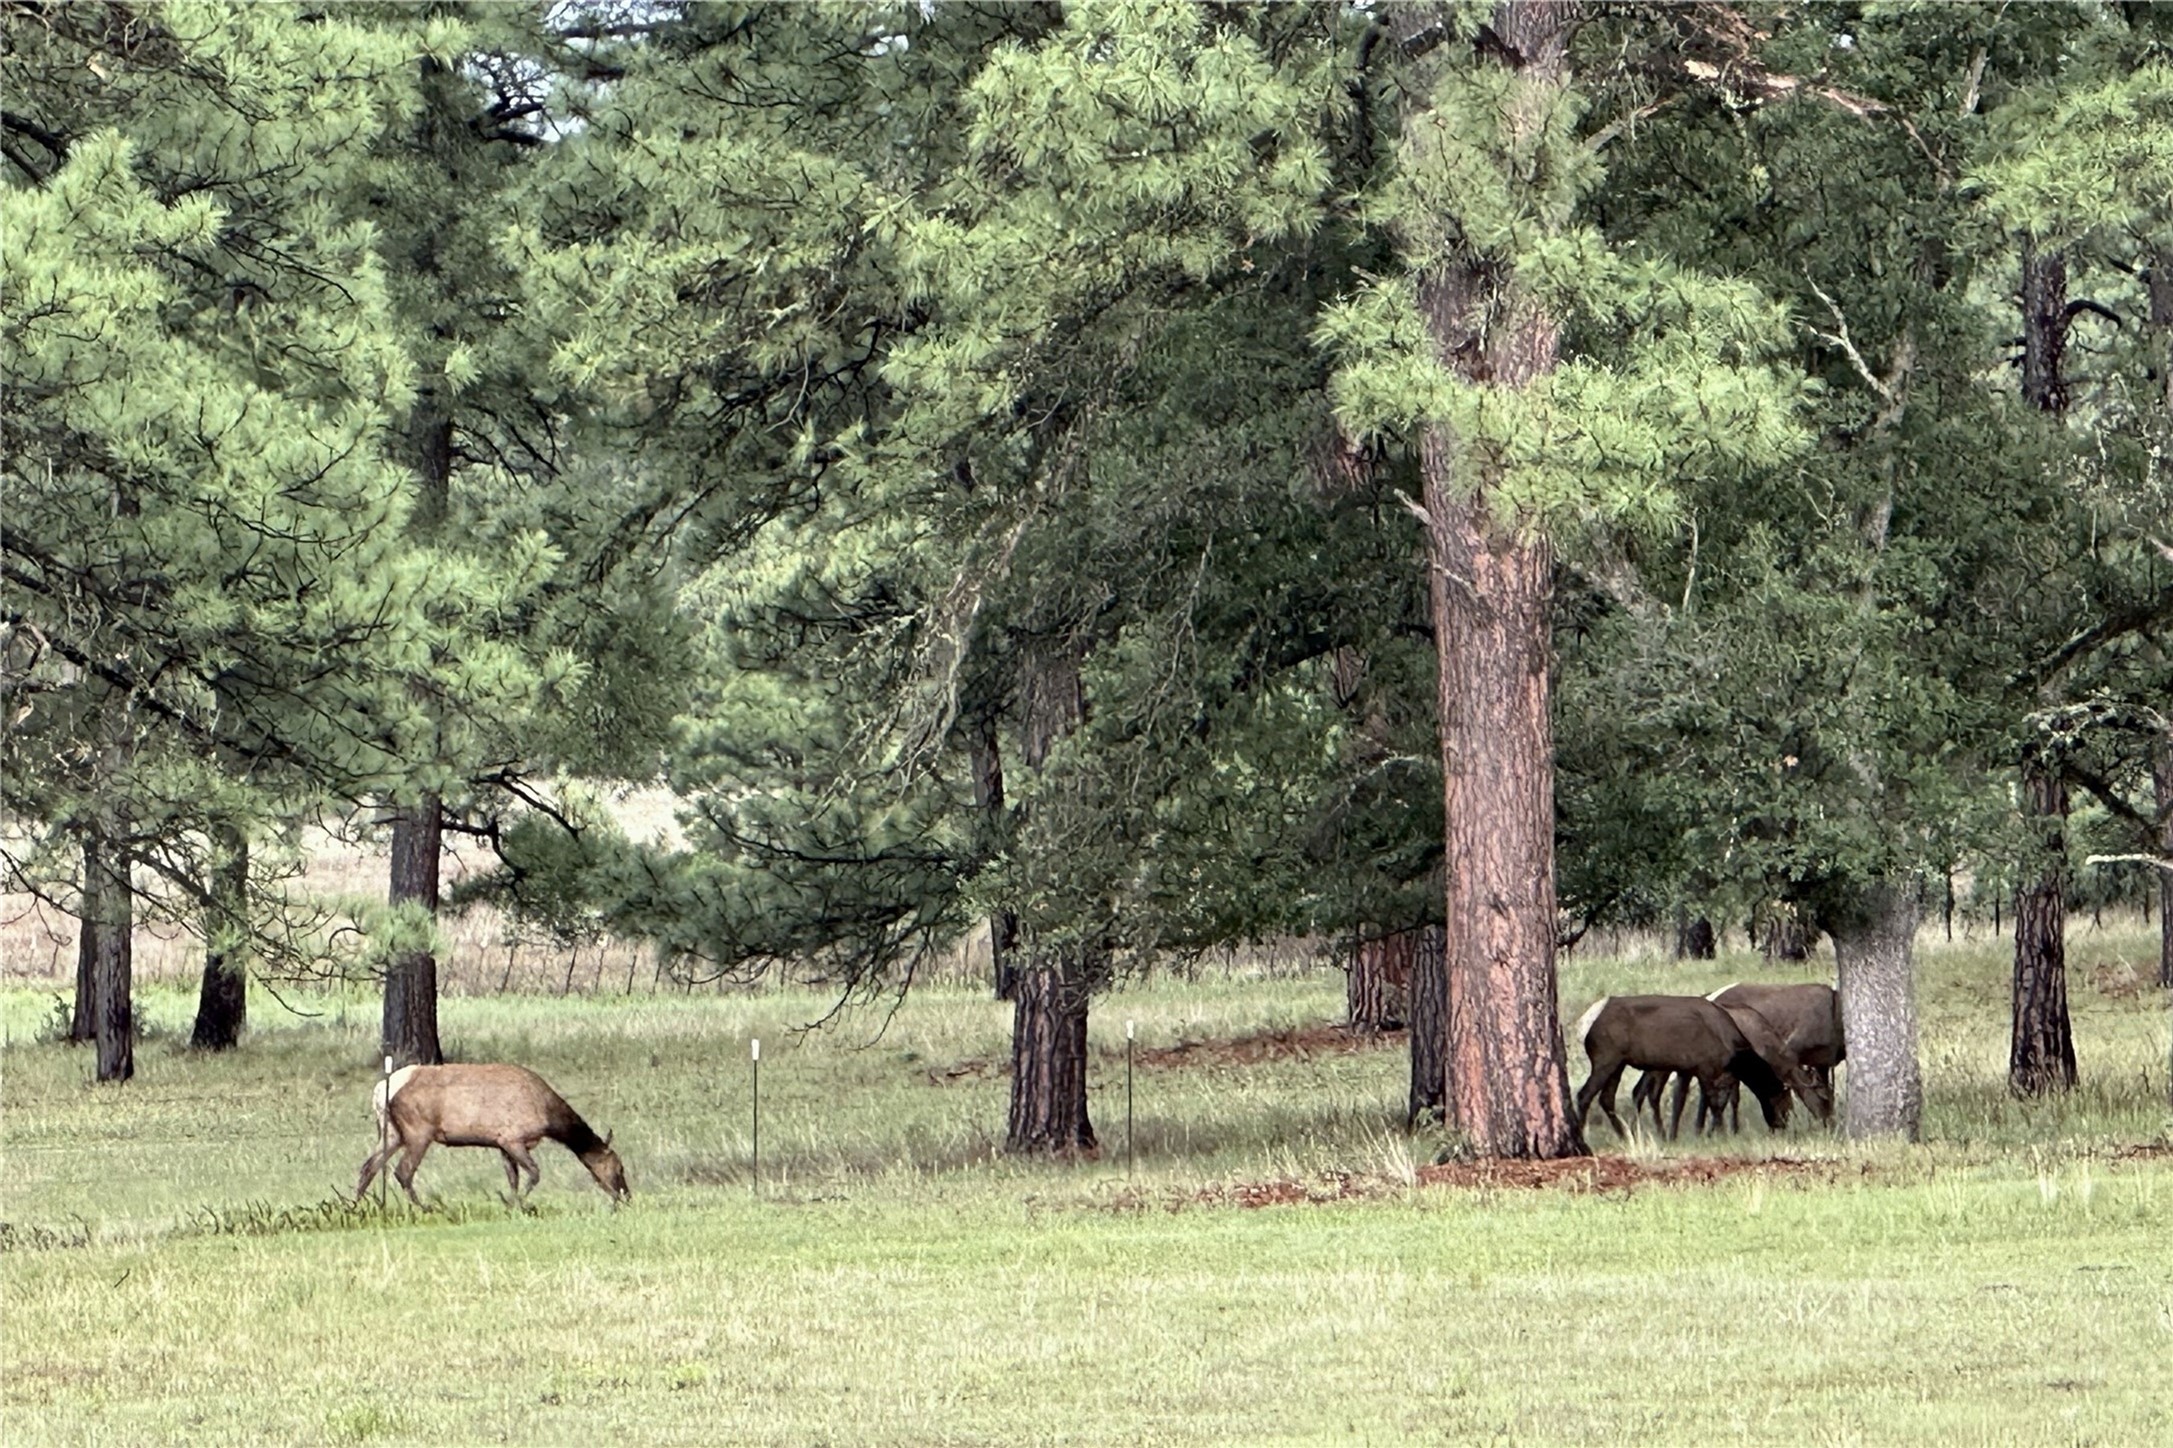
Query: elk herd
[[1781, 1041]]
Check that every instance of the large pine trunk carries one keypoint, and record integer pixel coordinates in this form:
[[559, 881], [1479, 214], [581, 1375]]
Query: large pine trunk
[[1429, 1028], [1376, 983], [411, 977], [112, 930], [1049, 1061], [2041, 1056], [222, 1003], [1874, 947], [1491, 576], [1506, 1073]]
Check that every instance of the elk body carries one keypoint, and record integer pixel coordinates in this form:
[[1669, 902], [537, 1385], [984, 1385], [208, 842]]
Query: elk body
[[1720, 1104], [509, 1108], [1668, 1034], [1809, 1020]]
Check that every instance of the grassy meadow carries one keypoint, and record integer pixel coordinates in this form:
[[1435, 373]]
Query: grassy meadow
[[177, 1266]]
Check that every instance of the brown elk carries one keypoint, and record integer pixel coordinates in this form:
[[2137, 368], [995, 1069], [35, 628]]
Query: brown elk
[[1666, 1034], [510, 1108], [1721, 1103], [1808, 1018]]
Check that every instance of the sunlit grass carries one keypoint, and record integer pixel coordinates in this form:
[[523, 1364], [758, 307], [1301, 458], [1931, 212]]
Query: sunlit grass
[[178, 1264]]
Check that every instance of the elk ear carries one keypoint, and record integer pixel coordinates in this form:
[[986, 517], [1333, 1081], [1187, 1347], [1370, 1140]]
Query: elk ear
[[607, 1138]]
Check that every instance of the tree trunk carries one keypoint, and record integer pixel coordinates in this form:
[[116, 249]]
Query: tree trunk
[[1049, 1061], [986, 759], [411, 977], [2041, 1057], [1694, 938], [1429, 1028], [1049, 1019], [112, 931], [1377, 982], [1491, 578], [2161, 774], [1874, 949], [80, 1027], [222, 1004]]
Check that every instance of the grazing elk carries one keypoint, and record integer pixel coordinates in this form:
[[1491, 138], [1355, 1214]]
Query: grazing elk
[[1672, 1033], [510, 1108], [1809, 1020], [1721, 1104]]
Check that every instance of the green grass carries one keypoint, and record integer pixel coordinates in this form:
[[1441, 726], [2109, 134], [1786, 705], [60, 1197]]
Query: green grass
[[175, 1271]]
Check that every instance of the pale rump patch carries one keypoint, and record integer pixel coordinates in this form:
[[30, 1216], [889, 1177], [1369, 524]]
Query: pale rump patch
[[381, 1098], [1716, 995], [1584, 1022]]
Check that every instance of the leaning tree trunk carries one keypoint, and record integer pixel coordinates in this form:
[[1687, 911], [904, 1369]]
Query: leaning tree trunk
[[1491, 577], [411, 976], [222, 1003], [112, 929], [2041, 1056], [1429, 1028], [1874, 949], [1049, 1060], [1376, 984], [81, 1029]]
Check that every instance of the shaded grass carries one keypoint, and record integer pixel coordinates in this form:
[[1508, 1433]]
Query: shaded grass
[[179, 1267]]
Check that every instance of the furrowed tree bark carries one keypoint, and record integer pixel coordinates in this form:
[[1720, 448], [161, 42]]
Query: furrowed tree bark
[[410, 1033], [222, 1002], [1506, 1078], [2041, 1056], [112, 927], [1429, 1028], [2161, 774], [1053, 983], [1376, 984], [1049, 1061], [80, 1026], [411, 977], [1874, 945]]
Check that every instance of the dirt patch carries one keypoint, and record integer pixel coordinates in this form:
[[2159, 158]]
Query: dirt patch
[[1617, 1173], [1298, 1043], [1576, 1174]]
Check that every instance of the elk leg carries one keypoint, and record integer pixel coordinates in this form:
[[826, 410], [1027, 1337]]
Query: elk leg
[[410, 1159], [519, 1155], [1607, 1102], [1682, 1095], [1591, 1088], [371, 1167], [513, 1172], [1651, 1087]]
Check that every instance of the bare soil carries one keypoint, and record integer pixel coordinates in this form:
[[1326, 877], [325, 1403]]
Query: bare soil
[[1575, 1174]]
